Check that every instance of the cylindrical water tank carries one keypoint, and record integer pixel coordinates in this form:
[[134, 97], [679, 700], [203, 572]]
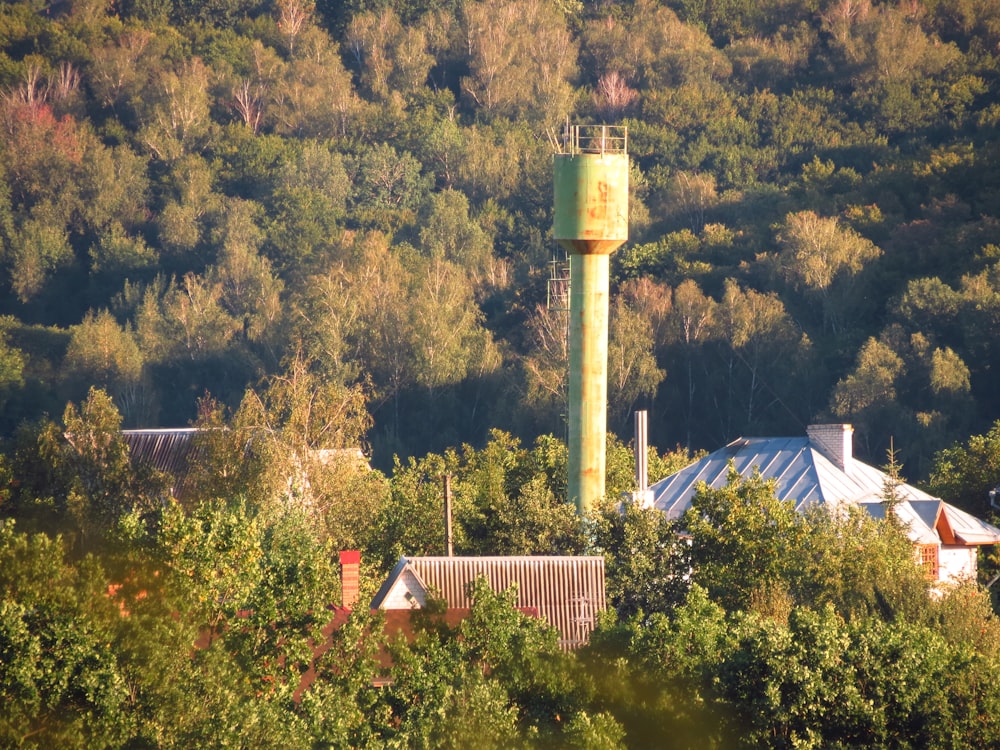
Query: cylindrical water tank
[[590, 183]]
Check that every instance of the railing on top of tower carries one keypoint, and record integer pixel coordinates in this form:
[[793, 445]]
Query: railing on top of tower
[[593, 139]]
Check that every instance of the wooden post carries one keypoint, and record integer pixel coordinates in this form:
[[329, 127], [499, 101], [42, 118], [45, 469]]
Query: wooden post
[[449, 540]]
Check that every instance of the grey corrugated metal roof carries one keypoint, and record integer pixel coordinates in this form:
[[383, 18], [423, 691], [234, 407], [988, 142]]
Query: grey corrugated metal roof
[[803, 474], [567, 592], [919, 517], [165, 449], [968, 529]]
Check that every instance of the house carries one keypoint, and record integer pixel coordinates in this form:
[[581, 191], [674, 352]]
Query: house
[[168, 450], [820, 469], [567, 592], [174, 450]]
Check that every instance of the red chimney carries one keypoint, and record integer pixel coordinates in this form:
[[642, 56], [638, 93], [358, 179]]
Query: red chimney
[[350, 577]]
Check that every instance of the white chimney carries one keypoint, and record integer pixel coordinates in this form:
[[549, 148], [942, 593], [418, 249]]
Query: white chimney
[[835, 441]]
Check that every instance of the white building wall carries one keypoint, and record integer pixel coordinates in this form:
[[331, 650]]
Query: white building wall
[[406, 584], [956, 563]]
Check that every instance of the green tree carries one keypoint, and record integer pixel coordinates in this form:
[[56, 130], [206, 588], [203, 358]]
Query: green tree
[[117, 252], [513, 499], [762, 340], [102, 353], [295, 442], [77, 476], [520, 59], [657, 673], [450, 342], [393, 58], [432, 678], [315, 97], [822, 258], [11, 362], [897, 68], [37, 250], [819, 682], [522, 654], [189, 203], [964, 473], [114, 188], [868, 394], [387, 187], [632, 368], [651, 47], [60, 682], [741, 537], [646, 560], [251, 290], [308, 201], [448, 231], [862, 567], [691, 321], [176, 115], [546, 365]]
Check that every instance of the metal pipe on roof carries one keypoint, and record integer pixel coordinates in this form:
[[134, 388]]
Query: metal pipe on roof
[[641, 454]]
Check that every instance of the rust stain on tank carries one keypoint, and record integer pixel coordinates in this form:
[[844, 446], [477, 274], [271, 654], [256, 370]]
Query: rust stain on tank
[[599, 207]]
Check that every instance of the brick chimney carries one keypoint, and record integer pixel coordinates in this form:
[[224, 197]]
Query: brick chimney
[[835, 441], [350, 577]]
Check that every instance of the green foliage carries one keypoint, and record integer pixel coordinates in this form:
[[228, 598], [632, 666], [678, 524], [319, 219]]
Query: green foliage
[[60, 682], [820, 682], [229, 148], [860, 566], [77, 474], [753, 552], [11, 362], [662, 670], [965, 473], [741, 536], [102, 353], [507, 500], [334, 219], [646, 561]]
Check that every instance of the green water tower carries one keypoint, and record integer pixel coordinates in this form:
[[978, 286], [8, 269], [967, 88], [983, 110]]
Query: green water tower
[[590, 175]]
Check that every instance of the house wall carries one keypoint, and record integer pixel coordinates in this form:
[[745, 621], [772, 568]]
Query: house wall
[[407, 584], [956, 563]]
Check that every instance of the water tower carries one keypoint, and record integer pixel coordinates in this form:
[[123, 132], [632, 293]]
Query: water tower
[[590, 174]]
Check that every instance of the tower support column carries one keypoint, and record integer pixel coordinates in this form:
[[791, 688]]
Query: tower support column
[[588, 378]]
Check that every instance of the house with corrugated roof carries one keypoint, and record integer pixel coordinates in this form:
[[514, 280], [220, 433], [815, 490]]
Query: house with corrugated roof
[[820, 469], [566, 591], [168, 450], [173, 451]]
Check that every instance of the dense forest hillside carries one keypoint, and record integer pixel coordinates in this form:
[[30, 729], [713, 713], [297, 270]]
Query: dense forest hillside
[[193, 195]]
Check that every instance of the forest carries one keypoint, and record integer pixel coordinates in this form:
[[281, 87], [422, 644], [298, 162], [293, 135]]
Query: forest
[[312, 228], [192, 195]]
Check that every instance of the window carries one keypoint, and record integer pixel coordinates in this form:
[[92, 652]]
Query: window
[[929, 560]]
